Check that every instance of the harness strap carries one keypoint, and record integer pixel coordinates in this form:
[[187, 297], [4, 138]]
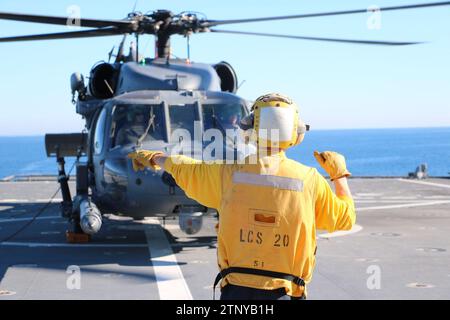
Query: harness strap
[[266, 273]]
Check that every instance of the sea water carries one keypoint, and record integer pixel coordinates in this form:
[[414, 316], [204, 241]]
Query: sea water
[[369, 152]]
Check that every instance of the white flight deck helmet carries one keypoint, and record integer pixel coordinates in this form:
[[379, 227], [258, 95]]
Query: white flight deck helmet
[[275, 122]]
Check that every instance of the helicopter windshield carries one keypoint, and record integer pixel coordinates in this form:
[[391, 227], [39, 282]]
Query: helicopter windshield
[[136, 121], [222, 116], [182, 117]]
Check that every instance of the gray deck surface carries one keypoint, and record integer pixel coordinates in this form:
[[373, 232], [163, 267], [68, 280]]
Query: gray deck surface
[[402, 236]]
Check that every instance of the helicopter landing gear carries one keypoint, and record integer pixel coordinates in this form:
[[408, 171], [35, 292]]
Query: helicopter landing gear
[[75, 234], [71, 209], [70, 145]]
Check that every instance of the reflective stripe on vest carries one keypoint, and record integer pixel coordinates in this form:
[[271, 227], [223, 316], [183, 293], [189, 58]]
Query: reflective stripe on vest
[[265, 180]]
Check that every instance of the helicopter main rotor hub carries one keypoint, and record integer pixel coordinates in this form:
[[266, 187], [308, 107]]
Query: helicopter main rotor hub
[[163, 24]]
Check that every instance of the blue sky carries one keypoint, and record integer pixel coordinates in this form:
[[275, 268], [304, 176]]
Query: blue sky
[[336, 85]]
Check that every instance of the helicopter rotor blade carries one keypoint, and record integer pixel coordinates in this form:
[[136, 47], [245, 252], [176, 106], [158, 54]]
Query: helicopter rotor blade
[[212, 23], [369, 42], [65, 35], [93, 23]]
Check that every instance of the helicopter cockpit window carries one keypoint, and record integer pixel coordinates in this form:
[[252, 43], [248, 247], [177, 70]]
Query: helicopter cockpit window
[[182, 117], [222, 116], [100, 132], [136, 121]]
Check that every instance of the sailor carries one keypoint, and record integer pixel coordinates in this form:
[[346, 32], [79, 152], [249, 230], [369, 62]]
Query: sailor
[[270, 206], [132, 129]]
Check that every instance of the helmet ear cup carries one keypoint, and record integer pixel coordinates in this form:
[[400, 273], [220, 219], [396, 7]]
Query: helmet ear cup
[[300, 138], [301, 130]]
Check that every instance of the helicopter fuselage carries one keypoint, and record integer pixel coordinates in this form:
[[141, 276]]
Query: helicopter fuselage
[[117, 188], [173, 106]]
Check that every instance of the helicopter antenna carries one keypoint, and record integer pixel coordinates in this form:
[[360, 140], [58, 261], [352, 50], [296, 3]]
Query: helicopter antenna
[[134, 6], [240, 85], [132, 52], [137, 47], [168, 57], [119, 56], [188, 48], [110, 54]]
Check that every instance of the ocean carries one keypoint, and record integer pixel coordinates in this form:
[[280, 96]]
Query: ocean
[[369, 152]]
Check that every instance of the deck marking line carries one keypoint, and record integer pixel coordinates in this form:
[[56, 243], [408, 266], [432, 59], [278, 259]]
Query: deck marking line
[[407, 205], [71, 245], [27, 219], [13, 200], [356, 228], [169, 278], [426, 183], [399, 201], [56, 200]]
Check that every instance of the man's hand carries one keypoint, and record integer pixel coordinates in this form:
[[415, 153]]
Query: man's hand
[[144, 158], [333, 163]]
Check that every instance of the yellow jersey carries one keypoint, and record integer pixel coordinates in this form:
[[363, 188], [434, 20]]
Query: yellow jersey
[[268, 215]]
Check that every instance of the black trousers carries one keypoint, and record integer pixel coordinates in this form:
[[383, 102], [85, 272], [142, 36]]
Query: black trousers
[[233, 292]]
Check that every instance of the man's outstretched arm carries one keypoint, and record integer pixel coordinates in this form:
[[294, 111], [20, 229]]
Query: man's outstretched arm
[[199, 180]]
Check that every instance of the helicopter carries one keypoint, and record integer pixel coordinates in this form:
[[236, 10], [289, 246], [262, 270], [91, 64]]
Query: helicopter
[[140, 102]]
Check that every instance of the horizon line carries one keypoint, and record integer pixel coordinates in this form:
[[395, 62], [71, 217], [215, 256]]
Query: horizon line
[[320, 129]]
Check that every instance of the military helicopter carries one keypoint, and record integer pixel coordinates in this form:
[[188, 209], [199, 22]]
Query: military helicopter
[[139, 102]]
